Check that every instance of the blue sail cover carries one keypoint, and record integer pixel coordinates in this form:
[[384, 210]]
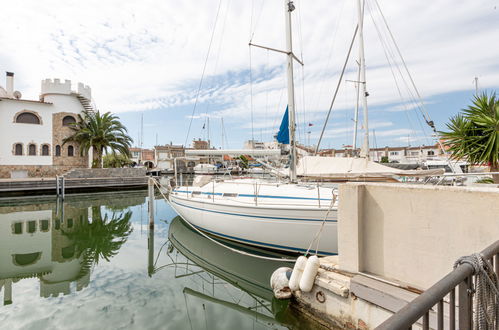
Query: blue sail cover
[[283, 135]]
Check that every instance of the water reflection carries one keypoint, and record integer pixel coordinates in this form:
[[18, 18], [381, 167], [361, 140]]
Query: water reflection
[[91, 262], [193, 255], [58, 245]]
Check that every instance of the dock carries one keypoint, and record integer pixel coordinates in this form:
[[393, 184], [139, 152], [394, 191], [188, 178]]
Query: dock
[[80, 180], [396, 253]]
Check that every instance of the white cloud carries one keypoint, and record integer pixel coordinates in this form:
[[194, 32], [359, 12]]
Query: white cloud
[[140, 55]]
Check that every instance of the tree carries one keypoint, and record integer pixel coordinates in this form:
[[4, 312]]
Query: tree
[[474, 134], [101, 133], [103, 237], [116, 160]]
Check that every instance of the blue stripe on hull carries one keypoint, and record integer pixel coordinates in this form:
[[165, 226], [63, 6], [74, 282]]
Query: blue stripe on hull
[[257, 196], [251, 216], [274, 246]]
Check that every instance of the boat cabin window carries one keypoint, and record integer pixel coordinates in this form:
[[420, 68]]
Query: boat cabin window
[[196, 193], [230, 194]]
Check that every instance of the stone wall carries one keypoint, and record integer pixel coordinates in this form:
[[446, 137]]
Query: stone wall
[[34, 171], [106, 173], [60, 132]]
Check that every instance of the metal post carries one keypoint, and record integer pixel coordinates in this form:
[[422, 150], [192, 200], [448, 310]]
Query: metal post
[[63, 187], [465, 304], [318, 195], [150, 250], [57, 185], [175, 169], [151, 202]]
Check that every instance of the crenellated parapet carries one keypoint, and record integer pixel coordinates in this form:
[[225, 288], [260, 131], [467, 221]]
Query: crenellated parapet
[[85, 91], [55, 86]]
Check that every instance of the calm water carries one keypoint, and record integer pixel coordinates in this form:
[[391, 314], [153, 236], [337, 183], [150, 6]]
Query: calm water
[[92, 263]]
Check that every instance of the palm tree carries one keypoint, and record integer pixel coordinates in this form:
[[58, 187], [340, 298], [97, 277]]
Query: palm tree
[[102, 238], [101, 133], [474, 134]]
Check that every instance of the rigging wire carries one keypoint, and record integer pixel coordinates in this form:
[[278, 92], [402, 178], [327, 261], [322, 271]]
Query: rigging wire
[[337, 88], [336, 28], [422, 107], [413, 99], [387, 56], [202, 74]]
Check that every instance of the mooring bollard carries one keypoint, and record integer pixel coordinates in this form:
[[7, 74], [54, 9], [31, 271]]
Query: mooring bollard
[[151, 202]]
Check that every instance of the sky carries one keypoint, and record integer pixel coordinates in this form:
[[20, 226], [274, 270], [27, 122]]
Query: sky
[[165, 66]]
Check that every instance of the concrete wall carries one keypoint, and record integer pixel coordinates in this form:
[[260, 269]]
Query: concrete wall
[[413, 233]]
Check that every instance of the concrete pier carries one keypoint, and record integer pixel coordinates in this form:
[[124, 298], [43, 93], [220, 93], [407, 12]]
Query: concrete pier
[[395, 241]]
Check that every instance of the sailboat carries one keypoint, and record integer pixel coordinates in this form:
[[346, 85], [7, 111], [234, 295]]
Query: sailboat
[[290, 216], [282, 216]]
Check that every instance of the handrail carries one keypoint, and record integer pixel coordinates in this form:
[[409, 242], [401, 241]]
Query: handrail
[[421, 306]]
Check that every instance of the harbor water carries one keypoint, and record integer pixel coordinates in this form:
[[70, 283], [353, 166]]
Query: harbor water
[[92, 262]]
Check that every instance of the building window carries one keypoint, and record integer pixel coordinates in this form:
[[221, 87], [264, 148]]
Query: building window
[[31, 227], [18, 149], [68, 251], [394, 153], [71, 151], [57, 150], [27, 118], [31, 149], [18, 228], [26, 258], [431, 153], [45, 150], [68, 121], [44, 225]]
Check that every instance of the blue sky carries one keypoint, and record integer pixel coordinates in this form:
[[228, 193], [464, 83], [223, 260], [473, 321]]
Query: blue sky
[[146, 58]]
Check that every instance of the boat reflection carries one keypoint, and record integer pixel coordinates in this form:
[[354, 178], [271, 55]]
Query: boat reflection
[[249, 291], [57, 242]]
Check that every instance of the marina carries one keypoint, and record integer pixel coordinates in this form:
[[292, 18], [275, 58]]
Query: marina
[[267, 164]]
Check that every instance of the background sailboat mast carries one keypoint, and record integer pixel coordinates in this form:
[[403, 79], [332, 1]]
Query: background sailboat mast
[[288, 8], [364, 152]]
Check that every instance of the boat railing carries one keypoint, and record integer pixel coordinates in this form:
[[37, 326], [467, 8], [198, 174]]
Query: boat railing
[[461, 278], [456, 178]]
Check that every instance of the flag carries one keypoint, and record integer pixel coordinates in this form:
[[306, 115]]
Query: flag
[[310, 124], [203, 125]]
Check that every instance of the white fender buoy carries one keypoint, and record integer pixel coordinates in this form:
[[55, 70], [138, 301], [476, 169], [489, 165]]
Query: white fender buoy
[[309, 273], [294, 281], [279, 282]]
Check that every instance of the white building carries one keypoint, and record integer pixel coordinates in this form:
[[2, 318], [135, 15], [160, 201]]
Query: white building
[[32, 131], [34, 244]]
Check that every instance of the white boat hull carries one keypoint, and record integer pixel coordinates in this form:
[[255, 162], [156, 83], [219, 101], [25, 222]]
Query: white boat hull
[[280, 227]]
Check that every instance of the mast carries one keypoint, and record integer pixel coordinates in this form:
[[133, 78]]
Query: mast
[[364, 152], [288, 8], [356, 115]]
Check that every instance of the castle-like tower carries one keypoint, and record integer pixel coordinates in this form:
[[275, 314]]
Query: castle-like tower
[[32, 131]]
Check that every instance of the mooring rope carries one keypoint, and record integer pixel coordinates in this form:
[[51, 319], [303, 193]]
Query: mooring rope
[[221, 244], [317, 236], [486, 291]]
